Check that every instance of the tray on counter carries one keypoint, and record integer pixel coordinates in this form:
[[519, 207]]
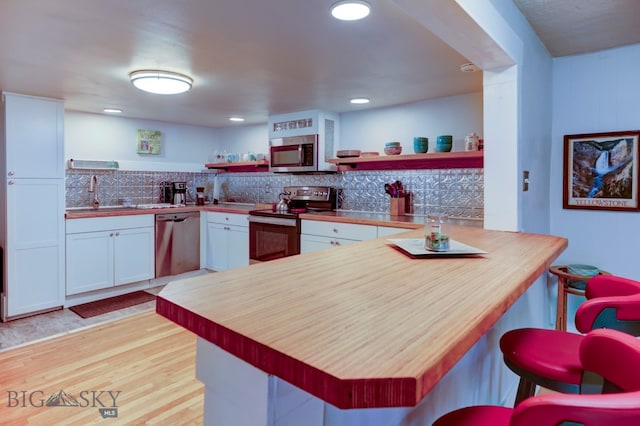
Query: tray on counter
[[415, 247]]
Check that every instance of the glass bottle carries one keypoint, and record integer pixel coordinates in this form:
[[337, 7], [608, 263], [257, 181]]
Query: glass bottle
[[436, 232]]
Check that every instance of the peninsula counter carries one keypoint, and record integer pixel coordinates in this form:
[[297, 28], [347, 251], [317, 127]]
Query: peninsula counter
[[358, 329]]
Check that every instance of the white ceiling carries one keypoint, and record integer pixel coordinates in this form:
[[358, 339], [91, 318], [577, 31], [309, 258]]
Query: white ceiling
[[252, 58], [570, 27]]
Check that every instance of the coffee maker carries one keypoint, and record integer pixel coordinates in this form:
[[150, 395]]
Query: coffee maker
[[179, 193]]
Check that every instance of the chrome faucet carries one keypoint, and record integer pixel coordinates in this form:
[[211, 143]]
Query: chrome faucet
[[93, 187]]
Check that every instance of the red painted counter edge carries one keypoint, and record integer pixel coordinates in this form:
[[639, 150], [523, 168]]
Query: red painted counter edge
[[342, 393]]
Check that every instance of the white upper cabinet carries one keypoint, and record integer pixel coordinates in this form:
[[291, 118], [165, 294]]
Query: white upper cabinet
[[34, 129]]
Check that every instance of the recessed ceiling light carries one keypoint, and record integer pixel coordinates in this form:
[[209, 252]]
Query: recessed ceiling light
[[359, 101], [236, 119], [350, 10], [113, 110], [161, 82]]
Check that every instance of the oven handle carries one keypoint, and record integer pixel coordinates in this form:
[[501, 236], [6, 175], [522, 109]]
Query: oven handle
[[274, 220]]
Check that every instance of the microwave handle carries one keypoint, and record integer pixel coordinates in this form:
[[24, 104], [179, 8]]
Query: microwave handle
[[300, 154]]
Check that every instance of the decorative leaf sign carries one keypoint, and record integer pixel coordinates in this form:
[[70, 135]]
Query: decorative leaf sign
[[149, 141]]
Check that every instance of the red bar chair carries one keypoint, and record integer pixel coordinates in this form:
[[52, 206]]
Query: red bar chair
[[610, 354], [549, 358]]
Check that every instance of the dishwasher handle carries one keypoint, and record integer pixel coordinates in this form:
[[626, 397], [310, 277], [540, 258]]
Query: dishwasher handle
[[176, 217]]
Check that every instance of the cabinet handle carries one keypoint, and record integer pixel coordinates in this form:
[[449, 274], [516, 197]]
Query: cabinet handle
[[10, 182], [11, 173], [335, 231], [337, 243], [117, 234], [111, 234]]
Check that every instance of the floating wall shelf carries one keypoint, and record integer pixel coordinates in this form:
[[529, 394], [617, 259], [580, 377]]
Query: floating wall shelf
[[436, 160], [241, 166], [92, 164]]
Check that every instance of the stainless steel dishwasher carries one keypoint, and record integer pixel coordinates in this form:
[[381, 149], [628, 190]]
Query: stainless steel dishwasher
[[177, 243]]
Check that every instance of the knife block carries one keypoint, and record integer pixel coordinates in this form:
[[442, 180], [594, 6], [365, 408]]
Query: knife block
[[396, 207]]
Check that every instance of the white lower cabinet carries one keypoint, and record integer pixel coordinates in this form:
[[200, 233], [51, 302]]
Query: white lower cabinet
[[227, 240], [106, 252], [317, 235], [34, 250]]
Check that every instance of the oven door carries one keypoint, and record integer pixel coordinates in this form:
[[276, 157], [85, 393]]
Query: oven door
[[272, 238]]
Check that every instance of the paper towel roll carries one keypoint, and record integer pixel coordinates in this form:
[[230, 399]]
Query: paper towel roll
[[216, 189]]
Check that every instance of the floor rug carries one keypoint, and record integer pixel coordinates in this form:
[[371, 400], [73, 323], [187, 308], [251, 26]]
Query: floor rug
[[99, 307]]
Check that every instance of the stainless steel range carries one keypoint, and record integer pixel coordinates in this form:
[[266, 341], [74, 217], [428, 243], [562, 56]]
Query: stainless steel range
[[275, 233]]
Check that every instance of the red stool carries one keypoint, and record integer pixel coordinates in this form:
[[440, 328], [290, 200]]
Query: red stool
[[549, 358], [612, 355]]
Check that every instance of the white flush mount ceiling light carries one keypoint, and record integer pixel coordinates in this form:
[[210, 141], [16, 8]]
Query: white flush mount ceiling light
[[161, 82], [236, 119], [359, 101], [350, 10], [112, 110]]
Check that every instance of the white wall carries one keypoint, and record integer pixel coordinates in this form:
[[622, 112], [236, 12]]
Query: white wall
[[592, 93], [102, 137], [188, 148], [243, 138], [522, 137], [455, 115]]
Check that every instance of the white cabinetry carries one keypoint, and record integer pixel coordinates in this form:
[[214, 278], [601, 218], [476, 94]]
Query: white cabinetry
[[386, 231], [32, 208], [227, 240], [111, 251], [317, 235]]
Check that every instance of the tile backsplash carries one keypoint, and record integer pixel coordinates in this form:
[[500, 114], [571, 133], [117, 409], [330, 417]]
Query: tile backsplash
[[457, 192]]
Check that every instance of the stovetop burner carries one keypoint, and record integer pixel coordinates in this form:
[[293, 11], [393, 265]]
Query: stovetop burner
[[302, 200]]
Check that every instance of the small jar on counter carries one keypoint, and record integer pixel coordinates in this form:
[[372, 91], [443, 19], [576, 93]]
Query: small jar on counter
[[200, 196], [436, 231]]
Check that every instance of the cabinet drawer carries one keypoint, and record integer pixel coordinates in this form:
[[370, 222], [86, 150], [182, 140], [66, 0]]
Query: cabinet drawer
[[339, 230], [228, 218], [94, 224]]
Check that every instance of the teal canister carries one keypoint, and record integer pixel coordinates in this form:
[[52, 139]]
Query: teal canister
[[444, 143], [420, 145]]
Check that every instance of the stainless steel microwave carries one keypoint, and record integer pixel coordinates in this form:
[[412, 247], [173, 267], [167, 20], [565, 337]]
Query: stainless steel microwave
[[294, 154]]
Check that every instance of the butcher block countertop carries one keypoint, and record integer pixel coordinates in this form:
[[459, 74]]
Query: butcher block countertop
[[342, 216], [380, 219], [362, 325], [241, 208]]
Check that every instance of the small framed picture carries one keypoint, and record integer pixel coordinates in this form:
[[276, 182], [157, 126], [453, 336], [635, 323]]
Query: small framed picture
[[601, 171], [149, 142]]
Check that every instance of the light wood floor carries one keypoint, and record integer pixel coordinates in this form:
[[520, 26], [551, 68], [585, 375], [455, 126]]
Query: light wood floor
[[150, 360]]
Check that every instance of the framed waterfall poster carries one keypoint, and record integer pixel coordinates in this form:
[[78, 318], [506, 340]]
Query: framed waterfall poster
[[601, 171]]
